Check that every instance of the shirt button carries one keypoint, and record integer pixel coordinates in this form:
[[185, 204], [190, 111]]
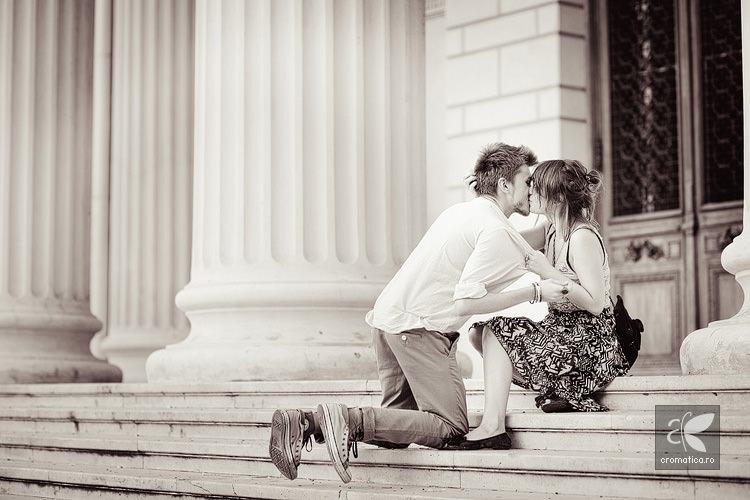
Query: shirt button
[[403, 337]]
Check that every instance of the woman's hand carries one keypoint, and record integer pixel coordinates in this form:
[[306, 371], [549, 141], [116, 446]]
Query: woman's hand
[[554, 290], [537, 263]]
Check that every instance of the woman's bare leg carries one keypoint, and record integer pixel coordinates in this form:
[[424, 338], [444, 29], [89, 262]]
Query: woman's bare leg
[[475, 339], [498, 372]]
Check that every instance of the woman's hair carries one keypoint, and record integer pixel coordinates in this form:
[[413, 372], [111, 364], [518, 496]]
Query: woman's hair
[[569, 183], [499, 160]]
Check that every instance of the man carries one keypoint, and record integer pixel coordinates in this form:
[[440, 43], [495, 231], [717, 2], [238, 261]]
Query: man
[[471, 250]]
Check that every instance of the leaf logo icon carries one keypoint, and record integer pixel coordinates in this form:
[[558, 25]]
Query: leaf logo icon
[[687, 430]]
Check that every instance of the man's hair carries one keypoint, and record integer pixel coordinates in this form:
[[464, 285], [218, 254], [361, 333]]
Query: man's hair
[[499, 160]]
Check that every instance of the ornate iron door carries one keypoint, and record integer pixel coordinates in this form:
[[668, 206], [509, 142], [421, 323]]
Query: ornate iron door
[[668, 130]]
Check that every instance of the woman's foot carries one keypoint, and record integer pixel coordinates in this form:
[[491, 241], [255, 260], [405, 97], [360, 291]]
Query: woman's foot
[[497, 442], [484, 433]]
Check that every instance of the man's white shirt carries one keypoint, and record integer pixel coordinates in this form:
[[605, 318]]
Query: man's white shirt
[[471, 249]]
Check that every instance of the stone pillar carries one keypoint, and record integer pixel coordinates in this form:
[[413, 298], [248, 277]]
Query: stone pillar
[[309, 185], [46, 59], [724, 346], [150, 179], [100, 153]]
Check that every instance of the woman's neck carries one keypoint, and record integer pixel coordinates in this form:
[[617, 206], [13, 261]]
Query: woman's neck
[[563, 227]]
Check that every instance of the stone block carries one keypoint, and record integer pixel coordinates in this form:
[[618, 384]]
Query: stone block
[[575, 141], [563, 103], [471, 77], [454, 42], [462, 153], [454, 121], [502, 112], [550, 103], [507, 6], [459, 12], [575, 104], [530, 65], [553, 138], [573, 57], [543, 137], [563, 18], [499, 31]]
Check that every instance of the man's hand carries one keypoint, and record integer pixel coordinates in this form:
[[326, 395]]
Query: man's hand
[[554, 290], [471, 183]]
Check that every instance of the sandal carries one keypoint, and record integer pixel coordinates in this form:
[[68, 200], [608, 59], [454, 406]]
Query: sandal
[[555, 405]]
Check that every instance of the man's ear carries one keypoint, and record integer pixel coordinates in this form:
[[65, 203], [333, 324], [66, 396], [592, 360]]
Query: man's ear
[[502, 185]]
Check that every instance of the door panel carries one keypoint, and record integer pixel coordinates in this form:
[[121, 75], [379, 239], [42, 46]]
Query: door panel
[[667, 130], [647, 264], [655, 297]]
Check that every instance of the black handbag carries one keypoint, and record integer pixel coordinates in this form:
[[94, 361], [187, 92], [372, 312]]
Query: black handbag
[[628, 331]]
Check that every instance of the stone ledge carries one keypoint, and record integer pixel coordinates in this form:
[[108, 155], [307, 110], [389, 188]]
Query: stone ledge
[[108, 450], [134, 483], [487, 472], [635, 383]]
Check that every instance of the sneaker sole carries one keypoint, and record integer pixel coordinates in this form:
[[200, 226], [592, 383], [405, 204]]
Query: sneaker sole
[[281, 455], [326, 426]]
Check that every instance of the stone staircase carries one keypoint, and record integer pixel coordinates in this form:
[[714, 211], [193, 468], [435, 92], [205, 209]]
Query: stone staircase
[[146, 441]]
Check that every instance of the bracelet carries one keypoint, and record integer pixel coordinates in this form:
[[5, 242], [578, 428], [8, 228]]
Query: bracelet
[[537, 293]]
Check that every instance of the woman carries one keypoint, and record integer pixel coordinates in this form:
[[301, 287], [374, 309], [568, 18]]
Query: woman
[[573, 351]]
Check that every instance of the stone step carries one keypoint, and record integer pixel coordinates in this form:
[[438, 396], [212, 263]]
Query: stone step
[[624, 393], [567, 471], [20, 480], [563, 472], [121, 434], [629, 431]]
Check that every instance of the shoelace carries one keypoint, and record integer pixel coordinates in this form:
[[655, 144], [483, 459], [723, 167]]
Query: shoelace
[[307, 444], [357, 435]]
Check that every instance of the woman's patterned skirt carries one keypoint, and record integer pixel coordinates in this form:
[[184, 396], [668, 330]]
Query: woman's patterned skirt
[[568, 355]]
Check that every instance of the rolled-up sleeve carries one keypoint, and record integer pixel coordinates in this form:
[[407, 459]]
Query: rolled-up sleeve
[[469, 291], [496, 261]]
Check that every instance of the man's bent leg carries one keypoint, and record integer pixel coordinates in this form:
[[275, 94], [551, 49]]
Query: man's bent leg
[[393, 383], [428, 361], [402, 427]]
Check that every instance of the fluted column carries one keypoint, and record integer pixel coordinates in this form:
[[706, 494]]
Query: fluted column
[[309, 182], [46, 55], [723, 347], [150, 179]]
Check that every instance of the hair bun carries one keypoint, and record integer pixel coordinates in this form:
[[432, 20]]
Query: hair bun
[[592, 177]]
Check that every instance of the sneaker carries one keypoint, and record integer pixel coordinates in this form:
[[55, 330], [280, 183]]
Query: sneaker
[[334, 422], [285, 447]]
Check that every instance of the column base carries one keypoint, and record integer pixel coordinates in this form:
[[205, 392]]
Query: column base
[[50, 344], [129, 348], [723, 348], [271, 331], [247, 361], [56, 371]]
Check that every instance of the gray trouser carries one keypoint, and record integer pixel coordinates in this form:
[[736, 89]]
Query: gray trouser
[[424, 399]]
